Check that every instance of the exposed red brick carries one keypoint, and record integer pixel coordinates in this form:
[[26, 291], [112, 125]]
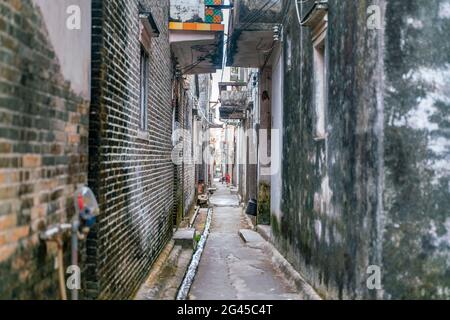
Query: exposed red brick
[[31, 161], [7, 251], [7, 222]]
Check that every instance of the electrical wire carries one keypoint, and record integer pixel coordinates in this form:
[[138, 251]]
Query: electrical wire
[[270, 51], [273, 44], [252, 18]]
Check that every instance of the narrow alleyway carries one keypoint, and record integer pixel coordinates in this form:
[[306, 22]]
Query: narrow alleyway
[[231, 269], [328, 119]]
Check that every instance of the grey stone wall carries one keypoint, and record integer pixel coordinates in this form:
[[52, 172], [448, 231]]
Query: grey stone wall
[[177, 101], [185, 188]]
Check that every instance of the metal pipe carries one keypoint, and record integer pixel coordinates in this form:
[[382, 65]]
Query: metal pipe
[[74, 258], [298, 12]]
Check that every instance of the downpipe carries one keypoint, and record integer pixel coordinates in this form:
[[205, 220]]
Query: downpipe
[[74, 254], [85, 217]]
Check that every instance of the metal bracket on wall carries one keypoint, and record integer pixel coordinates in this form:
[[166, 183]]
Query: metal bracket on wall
[[149, 23], [316, 12]]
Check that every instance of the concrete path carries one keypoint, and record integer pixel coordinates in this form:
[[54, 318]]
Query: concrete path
[[231, 269]]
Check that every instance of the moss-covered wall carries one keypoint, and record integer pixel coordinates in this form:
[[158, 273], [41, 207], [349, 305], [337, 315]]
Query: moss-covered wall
[[416, 253], [376, 191], [264, 203]]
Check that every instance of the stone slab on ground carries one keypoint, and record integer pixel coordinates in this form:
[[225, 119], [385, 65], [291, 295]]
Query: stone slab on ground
[[223, 198], [185, 238], [250, 236]]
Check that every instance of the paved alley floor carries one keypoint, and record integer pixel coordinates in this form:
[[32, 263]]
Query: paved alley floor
[[231, 269]]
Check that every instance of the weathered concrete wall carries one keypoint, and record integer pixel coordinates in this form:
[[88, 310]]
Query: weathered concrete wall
[[264, 145], [376, 191], [252, 13], [242, 165], [72, 46], [44, 113], [131, 171], [202, 139], [276, 181], [329, 200], [416, 248], [187, 11]]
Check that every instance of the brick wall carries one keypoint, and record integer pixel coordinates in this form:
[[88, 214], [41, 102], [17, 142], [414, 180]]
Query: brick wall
[[178, 208], [184, 174], [132, 177], [43, 151], [189, 167]]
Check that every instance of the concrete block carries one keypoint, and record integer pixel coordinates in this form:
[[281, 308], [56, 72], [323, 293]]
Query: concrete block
[[185, 238], [265, 232], [250, 236]]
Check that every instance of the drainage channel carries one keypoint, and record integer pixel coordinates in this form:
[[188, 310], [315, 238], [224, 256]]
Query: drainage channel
[[193, 267]]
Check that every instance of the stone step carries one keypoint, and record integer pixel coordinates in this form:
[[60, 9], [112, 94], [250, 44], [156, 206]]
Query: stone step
[[250, 236], [185, 238]]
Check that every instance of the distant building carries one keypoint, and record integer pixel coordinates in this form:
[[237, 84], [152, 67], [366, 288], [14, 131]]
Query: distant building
[[196, 39]]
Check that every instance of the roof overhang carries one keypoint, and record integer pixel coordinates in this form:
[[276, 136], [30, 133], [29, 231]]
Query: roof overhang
[[252, 32], [149, 23], [315, 13], [198, 47], [232, 113]]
